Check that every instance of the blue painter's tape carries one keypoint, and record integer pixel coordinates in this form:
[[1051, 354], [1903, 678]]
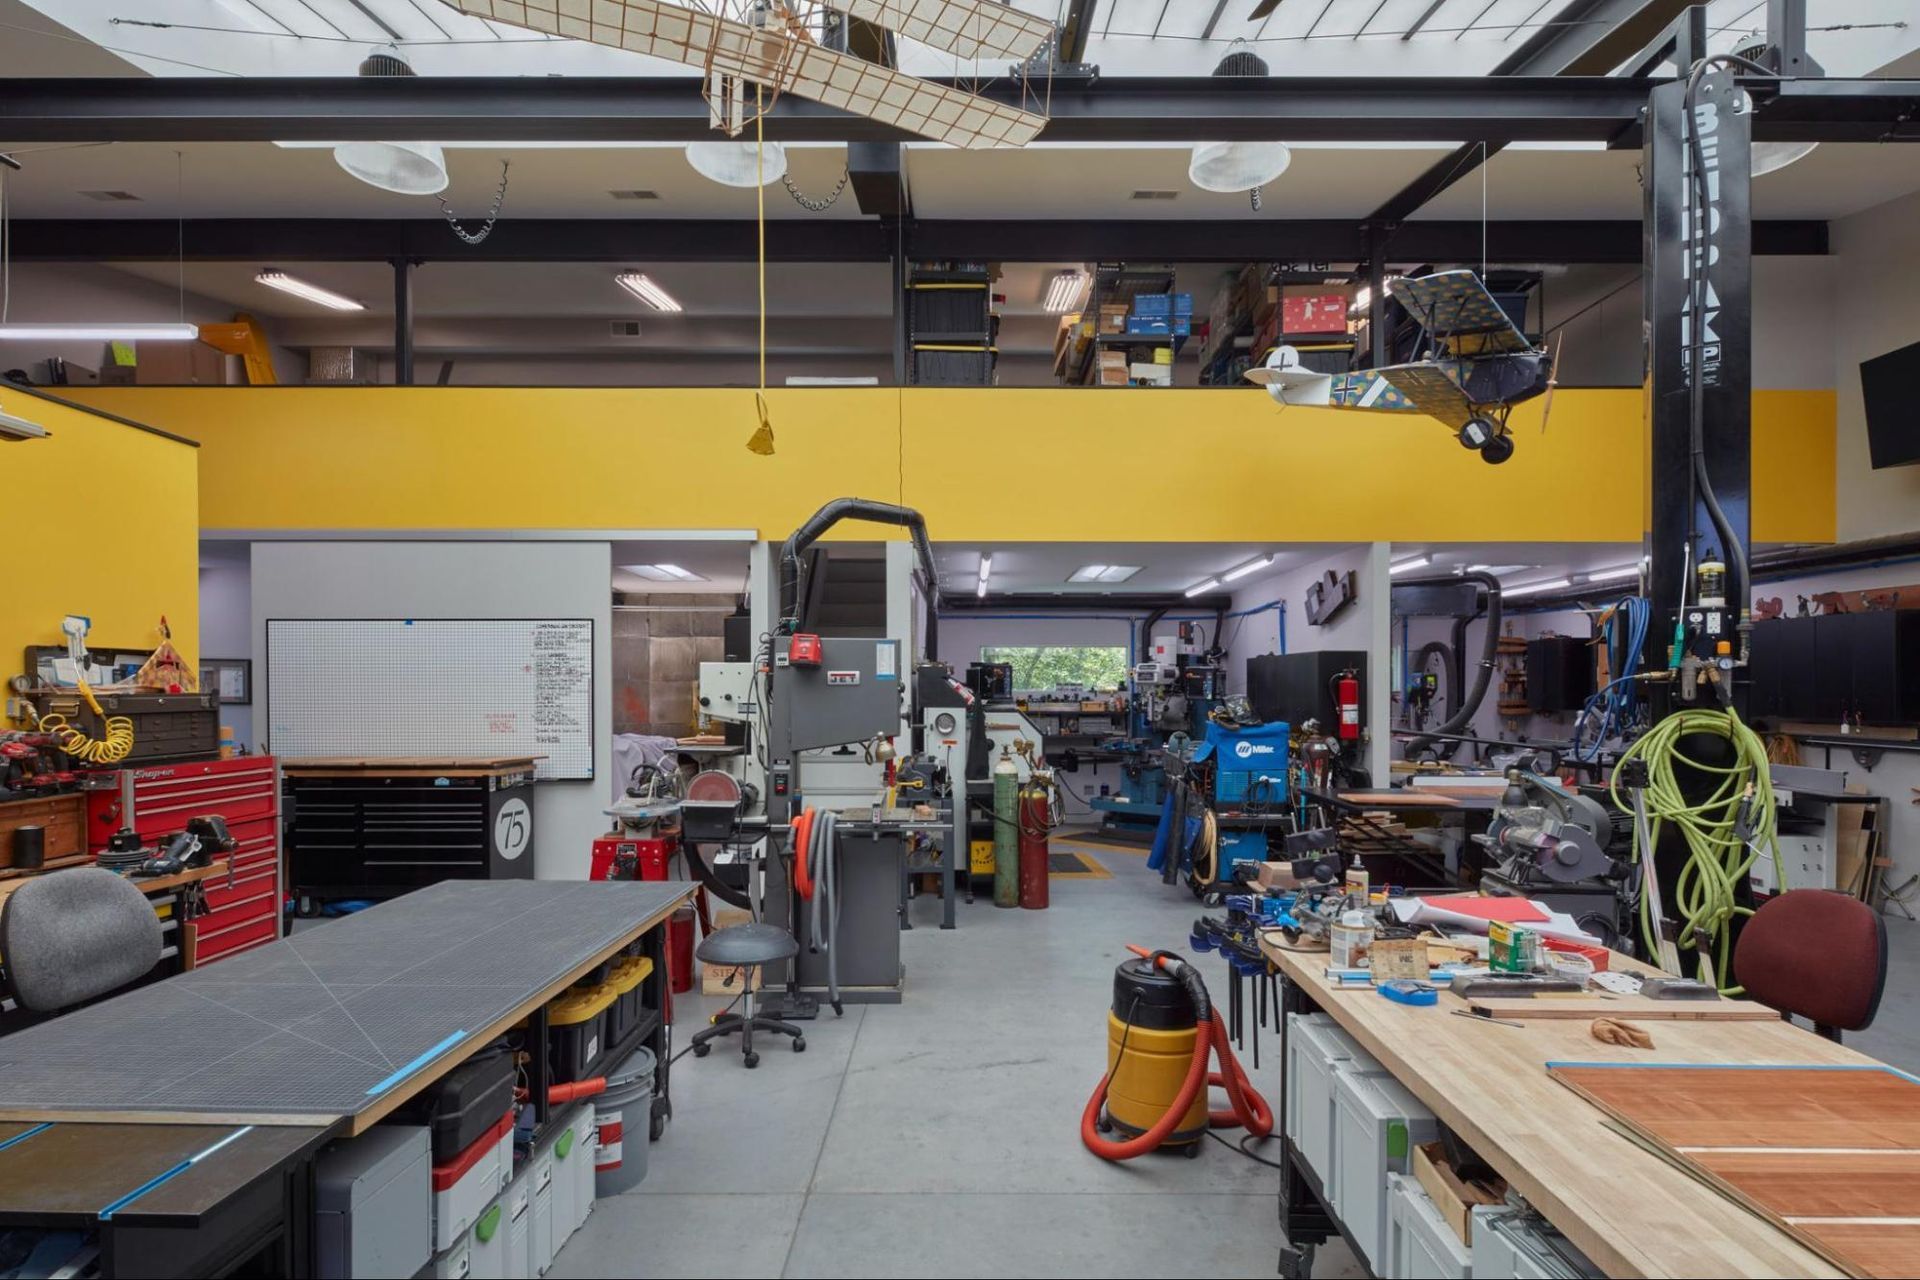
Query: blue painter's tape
[[176, 1171], [417, 1063], [21, 1137], [143, 1188]]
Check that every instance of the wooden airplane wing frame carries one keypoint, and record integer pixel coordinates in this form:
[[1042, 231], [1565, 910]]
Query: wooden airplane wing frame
[[733, 54], [1430, 389], [1456, 309]]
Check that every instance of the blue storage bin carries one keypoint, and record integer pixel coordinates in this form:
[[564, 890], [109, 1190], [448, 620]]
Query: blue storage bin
[[1155, 304]]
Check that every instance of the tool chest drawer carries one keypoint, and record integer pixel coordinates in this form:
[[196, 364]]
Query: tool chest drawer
[[241, 908]]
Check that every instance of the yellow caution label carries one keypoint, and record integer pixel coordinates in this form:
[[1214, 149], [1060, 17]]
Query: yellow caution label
[[980, 857]]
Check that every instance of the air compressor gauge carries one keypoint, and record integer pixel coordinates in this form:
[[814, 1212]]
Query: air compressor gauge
[[945, 723]]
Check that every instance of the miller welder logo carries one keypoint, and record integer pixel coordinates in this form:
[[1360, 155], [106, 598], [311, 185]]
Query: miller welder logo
[[1248, 750]]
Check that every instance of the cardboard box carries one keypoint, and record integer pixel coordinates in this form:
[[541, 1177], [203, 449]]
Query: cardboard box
[[1453, 1197], [1113, 317], [713, 977], [1315, 308], [1399, 958], [1111, 377], [1276, 875]]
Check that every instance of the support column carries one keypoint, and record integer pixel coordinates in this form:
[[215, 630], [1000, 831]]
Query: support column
[[1681, 239], [403, 322]]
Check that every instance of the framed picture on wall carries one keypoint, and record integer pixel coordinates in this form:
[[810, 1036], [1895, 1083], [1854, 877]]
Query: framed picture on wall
[[230, 678]]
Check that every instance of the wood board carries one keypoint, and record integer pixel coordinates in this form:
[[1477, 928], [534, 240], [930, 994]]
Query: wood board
[[1403, 799], [1629, 1007], [1836, 1162]]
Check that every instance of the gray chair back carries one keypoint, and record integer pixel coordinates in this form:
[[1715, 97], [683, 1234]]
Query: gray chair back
[[69, 936]]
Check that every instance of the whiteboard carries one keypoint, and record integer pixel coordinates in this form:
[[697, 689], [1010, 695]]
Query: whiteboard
[[483, 687]]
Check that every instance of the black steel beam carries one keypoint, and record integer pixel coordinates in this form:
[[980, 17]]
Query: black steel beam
[[599, 109], [1443, 173], [1590, 37], [1683, 43], [877, 173], [1143, 109], [429, 240], [282, 240]]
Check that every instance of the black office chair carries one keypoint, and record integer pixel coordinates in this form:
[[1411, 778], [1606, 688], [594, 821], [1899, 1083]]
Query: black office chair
[[746, 947], [67, 937]]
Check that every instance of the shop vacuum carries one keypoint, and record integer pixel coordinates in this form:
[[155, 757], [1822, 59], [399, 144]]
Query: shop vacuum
[[1160, 1033]]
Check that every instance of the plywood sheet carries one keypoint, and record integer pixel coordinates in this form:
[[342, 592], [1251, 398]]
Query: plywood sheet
[[1831, 1154], [333, 1022]]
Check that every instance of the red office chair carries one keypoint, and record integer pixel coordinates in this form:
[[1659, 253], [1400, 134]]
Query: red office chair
[[1817, 954]]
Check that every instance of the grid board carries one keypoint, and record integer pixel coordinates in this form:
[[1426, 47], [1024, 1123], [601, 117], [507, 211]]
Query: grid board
[[434, 687], [332, 1021]]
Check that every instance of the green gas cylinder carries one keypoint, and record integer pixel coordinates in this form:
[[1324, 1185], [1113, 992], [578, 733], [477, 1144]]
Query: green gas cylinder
[[1006, 831]]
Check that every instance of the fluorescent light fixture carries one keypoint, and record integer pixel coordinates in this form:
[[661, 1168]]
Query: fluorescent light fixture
[[664, 573], [1063, 291], [1103, 573], [986, 571], [1201, 588], [1410, 564], [1251, 566], [12, 428], [1614, 574], [100, 332], [644, 288], [1361, 300], [311, 292], [1535, 588]]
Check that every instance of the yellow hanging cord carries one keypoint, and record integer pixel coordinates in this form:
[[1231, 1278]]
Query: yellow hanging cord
[[762, 440]]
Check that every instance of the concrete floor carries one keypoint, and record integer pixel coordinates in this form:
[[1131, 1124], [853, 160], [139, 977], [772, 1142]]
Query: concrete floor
[[940, 1136]]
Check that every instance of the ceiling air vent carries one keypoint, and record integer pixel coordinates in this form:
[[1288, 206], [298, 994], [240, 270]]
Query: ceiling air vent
[[1156, 195], [108, 197], [624, 328], [634, 193]]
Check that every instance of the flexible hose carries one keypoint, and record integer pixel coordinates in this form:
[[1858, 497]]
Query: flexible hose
[[1718, 855], [1610, 712], [1489, 651], [802, 851], [1246, 1108], [1210, 846], [112, 749]]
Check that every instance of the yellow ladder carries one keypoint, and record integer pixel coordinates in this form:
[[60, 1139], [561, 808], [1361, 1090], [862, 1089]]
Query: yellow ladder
[[243, 338]]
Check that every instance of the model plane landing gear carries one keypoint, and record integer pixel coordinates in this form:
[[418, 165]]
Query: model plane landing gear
[[1497, 450], [1477, 432]]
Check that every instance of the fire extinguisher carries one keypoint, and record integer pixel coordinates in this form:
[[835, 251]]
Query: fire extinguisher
[[1346, 696]]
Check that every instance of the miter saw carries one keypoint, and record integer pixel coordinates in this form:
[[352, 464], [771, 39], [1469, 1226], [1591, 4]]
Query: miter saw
[[1555, 845]]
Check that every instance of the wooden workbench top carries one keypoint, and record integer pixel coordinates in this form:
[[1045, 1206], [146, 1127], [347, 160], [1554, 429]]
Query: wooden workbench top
[[146, 884], [1628, 1210]]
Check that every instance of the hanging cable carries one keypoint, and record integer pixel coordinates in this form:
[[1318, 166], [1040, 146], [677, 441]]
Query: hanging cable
[[1724, 833], [1613, 709]]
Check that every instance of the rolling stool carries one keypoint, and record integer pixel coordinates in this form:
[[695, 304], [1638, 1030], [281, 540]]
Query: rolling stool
[[747, 946]]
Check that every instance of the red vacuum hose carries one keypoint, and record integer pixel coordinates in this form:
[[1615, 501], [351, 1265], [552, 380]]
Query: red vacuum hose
[[1247, 1108], [802, 836]]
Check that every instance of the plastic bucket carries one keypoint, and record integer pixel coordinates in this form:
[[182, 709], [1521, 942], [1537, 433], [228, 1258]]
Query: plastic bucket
[[623, 1114]]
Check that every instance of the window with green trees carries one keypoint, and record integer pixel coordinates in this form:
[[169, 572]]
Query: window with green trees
[[1097, 666]]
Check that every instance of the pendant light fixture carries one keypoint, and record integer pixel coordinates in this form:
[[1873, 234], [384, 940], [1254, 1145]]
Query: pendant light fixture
[[733, 164], [1238, 166], [406, 168]]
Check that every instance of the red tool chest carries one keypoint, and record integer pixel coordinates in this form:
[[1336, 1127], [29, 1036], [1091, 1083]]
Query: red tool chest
[[242, 910]]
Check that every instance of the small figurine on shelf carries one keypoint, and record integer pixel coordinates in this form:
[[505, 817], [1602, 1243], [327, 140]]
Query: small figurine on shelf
[[166, 671]]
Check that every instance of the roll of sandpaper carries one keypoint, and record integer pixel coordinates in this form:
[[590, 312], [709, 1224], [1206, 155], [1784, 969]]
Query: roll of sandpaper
[[29, 847]]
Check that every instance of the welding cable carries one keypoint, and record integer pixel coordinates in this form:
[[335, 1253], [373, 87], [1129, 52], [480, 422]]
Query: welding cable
[[112, 749], [1724, 833], [1246, 1108]]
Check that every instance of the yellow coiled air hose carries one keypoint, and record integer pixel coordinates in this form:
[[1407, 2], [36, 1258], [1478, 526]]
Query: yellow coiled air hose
[[112, 749]]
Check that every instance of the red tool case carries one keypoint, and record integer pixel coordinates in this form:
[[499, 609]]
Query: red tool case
[[242, 910]]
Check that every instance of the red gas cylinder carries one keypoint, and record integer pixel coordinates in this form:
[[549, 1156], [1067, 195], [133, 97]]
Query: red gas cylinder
[[1034, 822], [680, 949]]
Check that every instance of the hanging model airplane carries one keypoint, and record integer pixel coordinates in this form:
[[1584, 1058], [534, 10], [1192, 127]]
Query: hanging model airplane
[[771, 45], [1479, 366]]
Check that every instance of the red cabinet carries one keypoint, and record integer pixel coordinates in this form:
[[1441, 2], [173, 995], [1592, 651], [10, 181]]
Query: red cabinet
[[243, 908]]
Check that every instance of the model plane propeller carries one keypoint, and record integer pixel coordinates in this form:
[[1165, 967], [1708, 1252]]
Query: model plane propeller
[[1477, 369], [769, 43]]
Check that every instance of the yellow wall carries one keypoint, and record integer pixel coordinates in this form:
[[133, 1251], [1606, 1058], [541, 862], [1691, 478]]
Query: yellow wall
[[1006, 464], [105, 524]]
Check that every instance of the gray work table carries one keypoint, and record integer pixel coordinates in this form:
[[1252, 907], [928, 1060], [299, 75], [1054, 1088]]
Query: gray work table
[[338, 1024]]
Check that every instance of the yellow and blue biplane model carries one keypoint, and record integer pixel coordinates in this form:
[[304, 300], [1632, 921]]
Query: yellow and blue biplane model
[[1478, 366]]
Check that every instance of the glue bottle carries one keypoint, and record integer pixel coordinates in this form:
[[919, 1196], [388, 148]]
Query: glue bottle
[[1356, 885]]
